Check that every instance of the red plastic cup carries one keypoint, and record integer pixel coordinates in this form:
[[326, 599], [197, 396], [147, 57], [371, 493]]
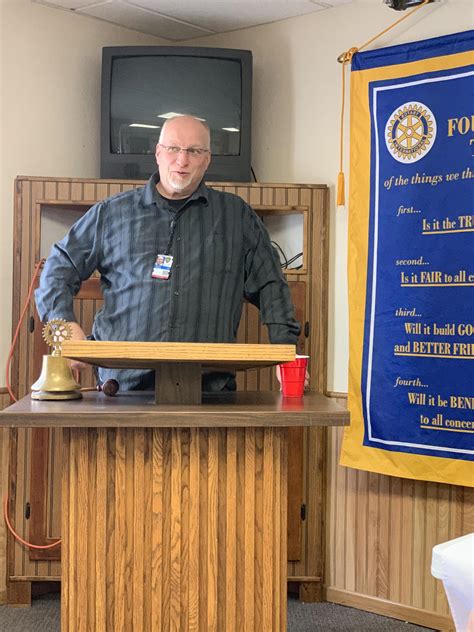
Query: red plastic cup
[[293, 375]]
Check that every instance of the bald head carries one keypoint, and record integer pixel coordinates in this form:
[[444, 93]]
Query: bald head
[[189, 123], [181, 171]]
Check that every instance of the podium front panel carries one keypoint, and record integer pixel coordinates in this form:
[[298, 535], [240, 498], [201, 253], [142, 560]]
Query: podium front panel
[[174, 529]]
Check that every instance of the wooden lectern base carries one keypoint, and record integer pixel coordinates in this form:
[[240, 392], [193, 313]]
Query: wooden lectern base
[[178, 383], [174, 517], [174, 529]]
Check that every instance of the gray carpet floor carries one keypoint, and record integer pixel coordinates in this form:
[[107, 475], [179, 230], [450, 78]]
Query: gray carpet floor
[[44, 616]]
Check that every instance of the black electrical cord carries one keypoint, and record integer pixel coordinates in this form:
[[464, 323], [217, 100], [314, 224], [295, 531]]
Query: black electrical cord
[[284, 264], [253, 173], [293, 259]]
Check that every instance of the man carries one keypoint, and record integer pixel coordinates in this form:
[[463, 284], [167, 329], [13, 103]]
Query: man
[[176, 261]]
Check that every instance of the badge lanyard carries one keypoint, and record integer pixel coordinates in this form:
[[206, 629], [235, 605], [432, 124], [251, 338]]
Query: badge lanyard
[[164, 262]]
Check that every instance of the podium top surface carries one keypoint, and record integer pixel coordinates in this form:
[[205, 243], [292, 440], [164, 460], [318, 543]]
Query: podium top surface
[[131, 355], [135, 409]]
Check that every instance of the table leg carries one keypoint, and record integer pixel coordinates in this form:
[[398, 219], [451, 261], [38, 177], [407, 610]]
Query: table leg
[[178, 383]]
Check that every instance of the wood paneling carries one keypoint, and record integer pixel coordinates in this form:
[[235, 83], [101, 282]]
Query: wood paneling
[[40, 481], [4, 402], [380, 535], [186, 524], [4, 398]]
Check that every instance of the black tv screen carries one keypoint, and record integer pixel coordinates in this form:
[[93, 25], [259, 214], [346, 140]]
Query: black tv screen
[[143, 86]]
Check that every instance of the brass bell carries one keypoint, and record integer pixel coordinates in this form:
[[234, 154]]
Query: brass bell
[[56, 380]]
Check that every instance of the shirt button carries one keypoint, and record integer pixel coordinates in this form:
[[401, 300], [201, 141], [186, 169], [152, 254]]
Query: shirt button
[[178, 238], [176, 293]]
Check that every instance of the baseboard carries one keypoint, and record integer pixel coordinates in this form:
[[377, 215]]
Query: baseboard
[[336, 394], [387, 608]]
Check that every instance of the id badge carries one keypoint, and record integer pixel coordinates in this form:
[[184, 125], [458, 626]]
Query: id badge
[[162, 267]]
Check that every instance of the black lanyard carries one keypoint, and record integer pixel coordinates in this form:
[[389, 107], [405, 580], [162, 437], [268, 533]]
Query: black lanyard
[[174, 221], [170, 238]]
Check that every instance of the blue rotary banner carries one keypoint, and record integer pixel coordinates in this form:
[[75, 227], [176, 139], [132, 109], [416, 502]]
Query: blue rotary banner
[[411, 261]]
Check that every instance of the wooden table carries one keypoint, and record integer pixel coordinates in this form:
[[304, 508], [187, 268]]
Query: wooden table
[[174, 517]]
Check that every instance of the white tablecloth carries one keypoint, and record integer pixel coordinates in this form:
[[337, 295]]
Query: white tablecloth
[[453, 563]]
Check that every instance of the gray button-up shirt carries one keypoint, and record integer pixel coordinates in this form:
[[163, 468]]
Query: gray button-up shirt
[[221, 255]]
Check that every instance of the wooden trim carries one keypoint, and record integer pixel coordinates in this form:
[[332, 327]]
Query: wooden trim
[[275, 209], [72, 205], [418, 616], [336, 394], [5, 399], [35, 578], [304, 578], [295, 493], [19, 594], [210, 183], [3, 390]]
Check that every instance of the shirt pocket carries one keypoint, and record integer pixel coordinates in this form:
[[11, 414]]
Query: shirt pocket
[[217, 254]]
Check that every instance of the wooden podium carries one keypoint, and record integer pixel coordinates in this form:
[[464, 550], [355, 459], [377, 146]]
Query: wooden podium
[[174, 515]]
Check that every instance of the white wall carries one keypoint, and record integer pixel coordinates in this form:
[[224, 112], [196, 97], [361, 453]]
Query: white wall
[[50, 64], [296, 110], [49, 109]]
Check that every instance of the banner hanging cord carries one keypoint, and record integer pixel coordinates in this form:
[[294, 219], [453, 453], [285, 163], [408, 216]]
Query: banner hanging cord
[[344, 59]]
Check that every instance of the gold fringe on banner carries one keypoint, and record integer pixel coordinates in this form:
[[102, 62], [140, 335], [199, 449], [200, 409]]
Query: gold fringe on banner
[[344, 59]]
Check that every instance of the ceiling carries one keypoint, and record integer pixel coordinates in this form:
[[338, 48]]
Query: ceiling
[[178, 20]]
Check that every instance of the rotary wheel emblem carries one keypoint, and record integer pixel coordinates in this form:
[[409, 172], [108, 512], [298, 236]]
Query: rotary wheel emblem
[[55, 332], [410, 132]]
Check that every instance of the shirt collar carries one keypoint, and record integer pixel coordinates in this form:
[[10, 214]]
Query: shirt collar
[[150, 194]]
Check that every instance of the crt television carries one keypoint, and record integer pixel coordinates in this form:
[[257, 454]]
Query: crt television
[[144, 85]]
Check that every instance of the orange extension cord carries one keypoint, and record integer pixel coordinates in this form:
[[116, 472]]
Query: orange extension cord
[[10, 356], [19, 538]]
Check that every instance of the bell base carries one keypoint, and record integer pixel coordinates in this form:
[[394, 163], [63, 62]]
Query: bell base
[[56, 395]]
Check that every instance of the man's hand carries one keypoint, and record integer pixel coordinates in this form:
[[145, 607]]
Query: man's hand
[[77, 334]]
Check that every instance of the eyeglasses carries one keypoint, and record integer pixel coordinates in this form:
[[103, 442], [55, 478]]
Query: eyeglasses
[[193, 152]]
